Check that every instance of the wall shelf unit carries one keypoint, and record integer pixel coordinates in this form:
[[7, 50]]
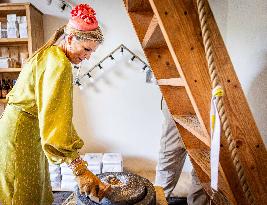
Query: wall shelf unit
[[34, 18]]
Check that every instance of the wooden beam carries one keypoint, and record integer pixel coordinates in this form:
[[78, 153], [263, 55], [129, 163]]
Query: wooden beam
[[153, 37], [251, 148], [137, 5]]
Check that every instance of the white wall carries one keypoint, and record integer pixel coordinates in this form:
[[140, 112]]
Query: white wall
[[122, 113], [243, 24]]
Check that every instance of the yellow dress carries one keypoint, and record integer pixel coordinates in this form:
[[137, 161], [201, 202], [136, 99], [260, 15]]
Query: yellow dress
[[36, 125]]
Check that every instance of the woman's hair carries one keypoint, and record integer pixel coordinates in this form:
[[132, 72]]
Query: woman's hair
[[51, 41], [92, 35], [95, 35]]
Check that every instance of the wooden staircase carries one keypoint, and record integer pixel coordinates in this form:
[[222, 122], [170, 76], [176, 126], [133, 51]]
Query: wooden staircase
[[170, 34]]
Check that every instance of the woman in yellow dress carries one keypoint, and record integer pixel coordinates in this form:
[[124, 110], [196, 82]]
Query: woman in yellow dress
[[37, 122]]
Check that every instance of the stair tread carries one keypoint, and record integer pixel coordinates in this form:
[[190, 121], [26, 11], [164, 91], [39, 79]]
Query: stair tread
[[192, 124], [177, 82], [153, 37], [141, 21]]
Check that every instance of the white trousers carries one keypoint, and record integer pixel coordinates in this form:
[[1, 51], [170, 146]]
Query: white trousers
[[171, 161]]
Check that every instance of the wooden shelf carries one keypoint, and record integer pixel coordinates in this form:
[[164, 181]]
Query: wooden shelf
[[3, 101], [10, 70], [4, 7], [34, 18], [13, 40]]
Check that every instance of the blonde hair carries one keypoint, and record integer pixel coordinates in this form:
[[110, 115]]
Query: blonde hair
[[94, 35], [51, 41]]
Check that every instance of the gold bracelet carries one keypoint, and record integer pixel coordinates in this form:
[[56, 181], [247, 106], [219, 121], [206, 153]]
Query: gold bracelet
[[78, 166]]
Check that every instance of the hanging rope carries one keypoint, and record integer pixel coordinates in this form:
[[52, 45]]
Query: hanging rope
[[220, 105]]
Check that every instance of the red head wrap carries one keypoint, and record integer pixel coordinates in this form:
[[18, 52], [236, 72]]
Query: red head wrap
[[83, 18]]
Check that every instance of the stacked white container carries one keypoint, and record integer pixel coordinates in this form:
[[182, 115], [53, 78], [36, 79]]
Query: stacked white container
[[112, 162], [55, 177], [94, 161], [97, 163], [68, 182], [12, 26], [22, 21]]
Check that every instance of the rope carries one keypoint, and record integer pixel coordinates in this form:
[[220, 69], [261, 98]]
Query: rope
[[220, 105]]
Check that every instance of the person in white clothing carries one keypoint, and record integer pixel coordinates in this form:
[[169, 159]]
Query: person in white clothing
[[172, 156]]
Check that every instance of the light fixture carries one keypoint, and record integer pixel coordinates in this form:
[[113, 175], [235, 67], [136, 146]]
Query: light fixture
[[63, 6], [144, 68], [133, 58], [77, 82], [88, 74], [90, 77], [100, 68]]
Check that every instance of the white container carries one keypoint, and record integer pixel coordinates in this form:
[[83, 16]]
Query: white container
[[54, 169], [23, 32], [112, 168], [66, 171], [94, 161], [12, 29], [68, 178], [95, 169], [68, 185], [55, 177], [56, 186], [23, 19], [18, 19], [93, 158], [12, 33], [112, 158], [11, 17], [23, 25], [63, 165], [112, 162]]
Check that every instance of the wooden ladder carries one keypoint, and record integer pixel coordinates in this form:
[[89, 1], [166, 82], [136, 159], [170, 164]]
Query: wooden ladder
[[170, 34]]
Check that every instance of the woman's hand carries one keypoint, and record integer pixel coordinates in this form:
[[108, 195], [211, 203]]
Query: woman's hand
[[91, 186]]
